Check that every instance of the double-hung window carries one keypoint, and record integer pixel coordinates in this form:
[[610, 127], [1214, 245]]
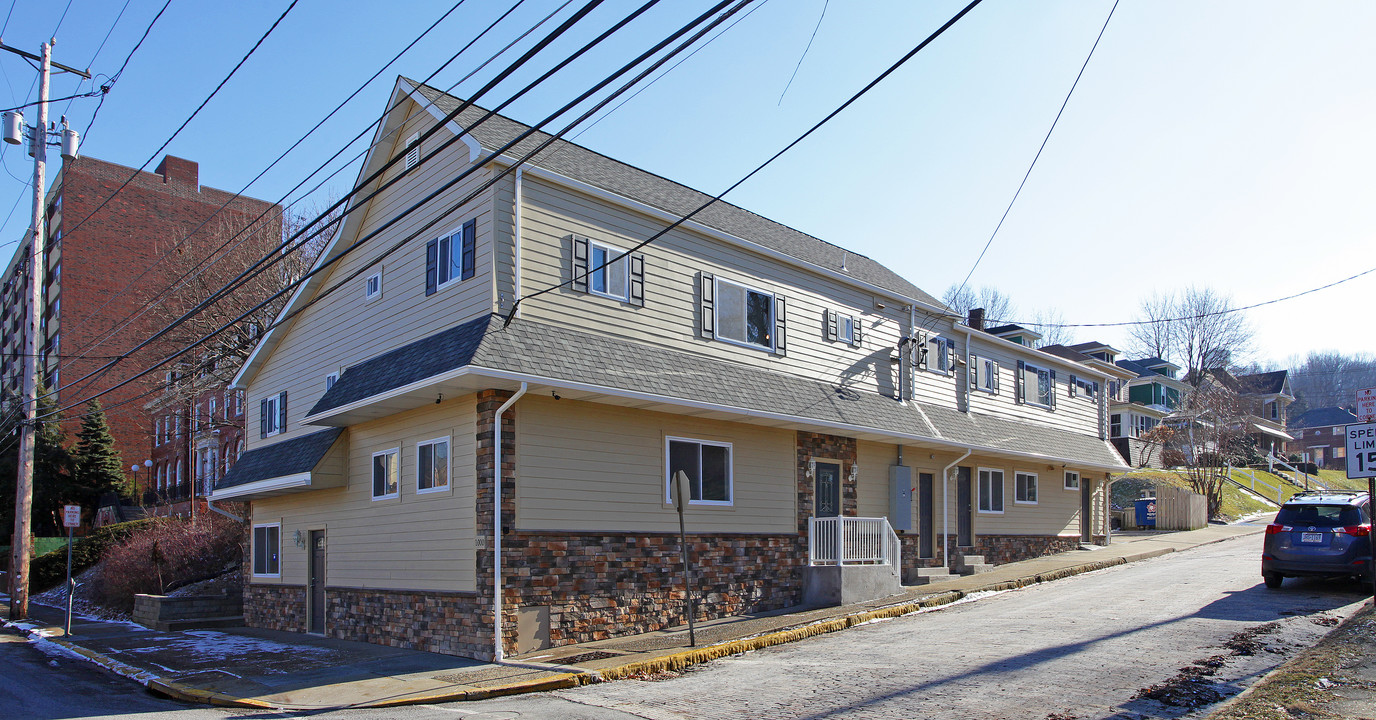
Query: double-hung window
[[984, 374], [1036, 385], [272, 415], [386, 474], [937, 355], [844, 328], [990, 491], [1025, 488], [707, 465], [267, 550], [745, 315], [1072, 480], [432, 466], [372, 286], [451, 258], [1083, 388], [609, 271]]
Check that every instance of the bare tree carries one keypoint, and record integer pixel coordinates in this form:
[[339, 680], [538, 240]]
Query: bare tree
[[1213, 435], [1209, 332], [1329, 379], [1051, 325], [1155, 336], [193, 275], [998, 307]]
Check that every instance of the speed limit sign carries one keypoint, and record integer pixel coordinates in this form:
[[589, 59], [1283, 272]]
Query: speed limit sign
[[1361, 450]]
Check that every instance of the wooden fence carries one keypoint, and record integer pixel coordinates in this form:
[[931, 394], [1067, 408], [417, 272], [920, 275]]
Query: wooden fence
[[1180, 509]]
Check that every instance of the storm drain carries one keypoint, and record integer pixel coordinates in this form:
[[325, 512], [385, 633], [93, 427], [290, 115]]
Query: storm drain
[[586, 657]]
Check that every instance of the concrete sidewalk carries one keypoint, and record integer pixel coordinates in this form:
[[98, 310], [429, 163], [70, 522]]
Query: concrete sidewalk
[[250, 668]]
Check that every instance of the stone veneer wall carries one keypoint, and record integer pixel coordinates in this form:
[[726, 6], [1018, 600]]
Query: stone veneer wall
[[827, 447], [275, 607]]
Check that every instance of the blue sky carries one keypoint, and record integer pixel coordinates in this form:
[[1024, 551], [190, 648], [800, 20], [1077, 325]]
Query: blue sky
[[1222, 143]]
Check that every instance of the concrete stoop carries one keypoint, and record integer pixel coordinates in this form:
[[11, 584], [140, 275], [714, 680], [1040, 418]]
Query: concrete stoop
[[828, 585], [971, 565], [926, 575]]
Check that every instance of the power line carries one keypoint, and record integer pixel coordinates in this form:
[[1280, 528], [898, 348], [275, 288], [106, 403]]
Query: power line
[[120, 72], [480, 163], [100, 47], [688, 216], [91, 93], [787, 85], [1033, 164]]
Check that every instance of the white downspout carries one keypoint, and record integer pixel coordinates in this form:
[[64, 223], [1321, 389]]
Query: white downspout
[[516, 238], [946, 509], [497, 523]]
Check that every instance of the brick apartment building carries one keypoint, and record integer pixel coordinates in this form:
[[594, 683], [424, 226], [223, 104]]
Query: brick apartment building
[[98, 277]]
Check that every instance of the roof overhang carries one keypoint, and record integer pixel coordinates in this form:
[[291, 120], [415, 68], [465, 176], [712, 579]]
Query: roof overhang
[[314, 461], [1271, 431], [266, 488], [470, 378]]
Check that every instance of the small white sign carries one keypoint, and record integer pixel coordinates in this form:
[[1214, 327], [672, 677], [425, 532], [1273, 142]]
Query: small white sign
[[1361, 450], [71, 516], [1366, 405]]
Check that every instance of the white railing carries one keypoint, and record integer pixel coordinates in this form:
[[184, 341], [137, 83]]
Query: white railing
[[853, 541], [1252, 482], [1309, 481]]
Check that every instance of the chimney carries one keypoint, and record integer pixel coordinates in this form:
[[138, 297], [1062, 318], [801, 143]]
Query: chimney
[[976, 320], [175, 169]]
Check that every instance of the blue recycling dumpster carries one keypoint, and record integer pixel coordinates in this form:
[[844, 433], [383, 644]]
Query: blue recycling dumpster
[[1146, 512]]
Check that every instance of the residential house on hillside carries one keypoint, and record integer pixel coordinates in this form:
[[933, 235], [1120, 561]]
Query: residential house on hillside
[[1263, 399], [1319, 436], [1152, 395], [790, 380]]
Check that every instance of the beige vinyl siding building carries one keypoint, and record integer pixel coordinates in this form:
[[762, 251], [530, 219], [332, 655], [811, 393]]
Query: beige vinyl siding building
[[781, 374]]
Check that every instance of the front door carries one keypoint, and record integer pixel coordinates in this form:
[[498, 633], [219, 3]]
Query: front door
[[1086, 510], [965, 504], [828, 489], [926, 515], [316, 591]]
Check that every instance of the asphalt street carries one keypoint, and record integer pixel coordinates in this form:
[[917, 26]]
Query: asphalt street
[[1084, 647]]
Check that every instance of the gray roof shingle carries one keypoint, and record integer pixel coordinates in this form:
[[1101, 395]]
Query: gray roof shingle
[[289, 457], [560, 353], [580, 163]]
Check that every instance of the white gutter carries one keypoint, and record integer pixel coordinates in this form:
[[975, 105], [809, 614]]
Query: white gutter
[[946, 509], [516, 239], [497, 524]]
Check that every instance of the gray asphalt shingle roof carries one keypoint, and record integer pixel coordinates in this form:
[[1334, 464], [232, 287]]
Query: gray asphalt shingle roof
[[580, 163], [289, 457], [1323, 417], [560, 353]]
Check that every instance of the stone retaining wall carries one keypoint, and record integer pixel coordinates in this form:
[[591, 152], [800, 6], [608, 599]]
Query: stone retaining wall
[[155, 611]]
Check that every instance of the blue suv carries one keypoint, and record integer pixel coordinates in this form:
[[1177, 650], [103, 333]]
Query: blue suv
[[1319, 534]]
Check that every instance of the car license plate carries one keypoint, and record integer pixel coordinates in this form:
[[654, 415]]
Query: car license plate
[[1311, 537]]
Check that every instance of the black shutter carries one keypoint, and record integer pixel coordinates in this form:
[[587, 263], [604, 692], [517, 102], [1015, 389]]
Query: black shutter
[[468, 258], [282, 412], [994, 377], [950, 350], [706, 287], [1022, 389], [974, 371], [855, 333], [831, 325], [1051, 391], [579, 254], [1070, 386], [432, 266], [263, 418], [780, 325], [921, 346], [638, 279]]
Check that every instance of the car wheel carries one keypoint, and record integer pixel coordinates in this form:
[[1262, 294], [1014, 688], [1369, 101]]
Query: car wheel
[[1273, 580]]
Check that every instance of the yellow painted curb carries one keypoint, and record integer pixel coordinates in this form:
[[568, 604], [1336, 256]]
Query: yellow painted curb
[[557, 682]]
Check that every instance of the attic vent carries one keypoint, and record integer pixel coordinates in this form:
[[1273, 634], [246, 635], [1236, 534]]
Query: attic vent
[[412, 150], [843, 261]]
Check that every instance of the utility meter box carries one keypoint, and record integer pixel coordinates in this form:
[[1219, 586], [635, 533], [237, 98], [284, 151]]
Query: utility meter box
[[901, 497]]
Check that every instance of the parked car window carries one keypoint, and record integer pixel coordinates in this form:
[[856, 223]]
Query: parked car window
[[1320, 515]]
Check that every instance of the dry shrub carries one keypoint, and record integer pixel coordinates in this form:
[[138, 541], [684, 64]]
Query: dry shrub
[[167, 554]]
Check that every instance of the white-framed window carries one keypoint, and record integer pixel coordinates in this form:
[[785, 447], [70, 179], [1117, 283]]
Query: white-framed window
[[707, 463], [272, 415], [1037, 385], [211, 415], [1142, 424], [938, 358], [452, 258], [412, 150], [432, 465], [1080, 387], [609, 271], [844, 328], [267, 550], [1025, 488], [744, 315], [372, 286], [1072, 480], [330, 380], [990, 490], [984, 375], [1115, 425], [386, 474]]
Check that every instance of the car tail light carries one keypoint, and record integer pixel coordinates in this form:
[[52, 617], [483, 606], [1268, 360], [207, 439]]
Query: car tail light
[[1277, 528], [1357, 530]]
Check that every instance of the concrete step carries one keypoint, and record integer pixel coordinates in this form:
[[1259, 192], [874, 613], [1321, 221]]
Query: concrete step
[[970, 560], [976, 569], [922, 576]]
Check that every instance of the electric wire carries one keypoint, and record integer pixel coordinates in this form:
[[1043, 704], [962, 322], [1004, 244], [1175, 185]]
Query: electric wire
[[335, 258], [99, 48], [274, 257], [1042, 147], [91, 93], [688, 216], [193, 115], [120, 72], [789, 84]]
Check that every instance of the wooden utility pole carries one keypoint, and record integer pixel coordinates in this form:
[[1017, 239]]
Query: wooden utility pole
[[23, 502]]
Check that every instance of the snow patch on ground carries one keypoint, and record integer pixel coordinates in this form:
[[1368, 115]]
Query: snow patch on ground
[[212, 645]]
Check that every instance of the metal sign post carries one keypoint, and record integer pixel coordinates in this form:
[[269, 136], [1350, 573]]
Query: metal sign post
[[71, 518], [680, 479], [1361, 463]]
